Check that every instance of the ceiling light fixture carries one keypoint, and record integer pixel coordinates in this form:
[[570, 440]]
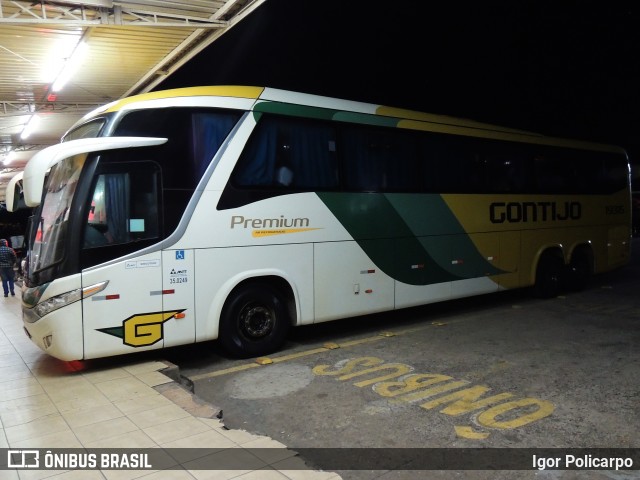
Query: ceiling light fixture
[[70, 66], [29, 128], [9, 157]]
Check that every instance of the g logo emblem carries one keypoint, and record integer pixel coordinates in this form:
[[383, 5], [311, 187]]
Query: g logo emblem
[[143, 329]]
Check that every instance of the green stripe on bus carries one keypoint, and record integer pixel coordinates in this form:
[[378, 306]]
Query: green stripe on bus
[[432, 221], [365, 119], [404, 235], [325, 114], [294, 110]]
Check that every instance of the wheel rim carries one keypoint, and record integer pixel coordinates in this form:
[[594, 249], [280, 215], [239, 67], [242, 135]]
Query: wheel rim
[[256, 321]]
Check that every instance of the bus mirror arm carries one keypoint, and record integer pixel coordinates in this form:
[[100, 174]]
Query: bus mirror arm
[[12, 193], [36, 169]]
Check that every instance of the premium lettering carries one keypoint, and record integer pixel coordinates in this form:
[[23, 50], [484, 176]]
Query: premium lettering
[[282, 222], [514, 212]]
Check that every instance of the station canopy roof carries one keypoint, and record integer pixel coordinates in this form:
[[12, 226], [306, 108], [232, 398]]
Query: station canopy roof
[[104, 49]]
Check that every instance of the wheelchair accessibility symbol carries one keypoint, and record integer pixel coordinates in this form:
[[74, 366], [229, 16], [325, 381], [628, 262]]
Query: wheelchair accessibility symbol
[[179, 254]]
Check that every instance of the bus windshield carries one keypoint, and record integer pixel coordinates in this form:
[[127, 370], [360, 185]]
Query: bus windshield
[[54, 213]]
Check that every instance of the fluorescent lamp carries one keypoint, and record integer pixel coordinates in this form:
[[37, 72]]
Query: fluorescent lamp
[[33, 122], [70, 66], [93, 3], [8, 157]]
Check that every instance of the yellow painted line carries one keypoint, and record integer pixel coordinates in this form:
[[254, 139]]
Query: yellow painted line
[[292, 356], [489, 418], [327, 346], [362, 340], [470, 433], [238, 368]]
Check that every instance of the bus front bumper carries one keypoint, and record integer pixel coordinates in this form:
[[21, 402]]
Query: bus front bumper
[[57, 334]]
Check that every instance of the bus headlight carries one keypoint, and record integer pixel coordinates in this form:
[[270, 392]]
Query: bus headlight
[[54, 303]]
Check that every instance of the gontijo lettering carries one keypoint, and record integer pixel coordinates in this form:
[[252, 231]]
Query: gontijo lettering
[[512, 212]]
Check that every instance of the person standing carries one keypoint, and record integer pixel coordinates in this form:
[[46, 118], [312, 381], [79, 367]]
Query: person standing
[[8, 259]]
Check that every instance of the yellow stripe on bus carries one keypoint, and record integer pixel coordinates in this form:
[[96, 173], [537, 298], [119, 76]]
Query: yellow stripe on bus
[[224, 91], [284, 231]]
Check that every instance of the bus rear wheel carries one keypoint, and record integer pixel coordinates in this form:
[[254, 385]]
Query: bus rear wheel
[[549, 276], [254, 321]]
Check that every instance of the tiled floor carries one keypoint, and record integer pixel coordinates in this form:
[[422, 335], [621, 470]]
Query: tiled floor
[[47, 403]]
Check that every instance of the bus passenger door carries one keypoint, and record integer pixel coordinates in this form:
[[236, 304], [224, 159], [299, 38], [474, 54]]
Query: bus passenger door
[[121, 271], [178, 296], [126, 316]]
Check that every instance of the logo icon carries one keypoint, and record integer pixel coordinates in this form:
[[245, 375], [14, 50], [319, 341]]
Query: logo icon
[[179, 254], [23, 459], [143, 329]]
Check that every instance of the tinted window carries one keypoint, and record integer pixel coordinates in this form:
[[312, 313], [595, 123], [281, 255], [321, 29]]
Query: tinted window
[[122, 211], [289, 153], [377, 159], [88, 130], [124, 208], [194, 136], [293, 154]]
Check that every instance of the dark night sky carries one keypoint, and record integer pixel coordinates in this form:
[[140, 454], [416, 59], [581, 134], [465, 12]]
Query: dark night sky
[[556, 67]]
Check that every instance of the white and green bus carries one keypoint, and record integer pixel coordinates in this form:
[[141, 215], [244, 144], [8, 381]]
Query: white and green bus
[[235, 213]]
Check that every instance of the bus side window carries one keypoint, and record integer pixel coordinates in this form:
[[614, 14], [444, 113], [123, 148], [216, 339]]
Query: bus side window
[[617, 174], [452, 164], [380, 160], [363, 155], [283, 174], [289, 153], [504, 171], [311, 151], [403, 169], [431, 154], [96, 229], [549, 177], [123, 209]]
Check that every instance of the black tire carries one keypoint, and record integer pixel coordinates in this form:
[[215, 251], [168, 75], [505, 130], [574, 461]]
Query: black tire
[[549, 277], [254, 321], [580, 270]]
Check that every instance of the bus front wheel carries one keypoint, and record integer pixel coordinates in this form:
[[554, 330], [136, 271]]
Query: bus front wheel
[[549, 276], [254, 321]]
